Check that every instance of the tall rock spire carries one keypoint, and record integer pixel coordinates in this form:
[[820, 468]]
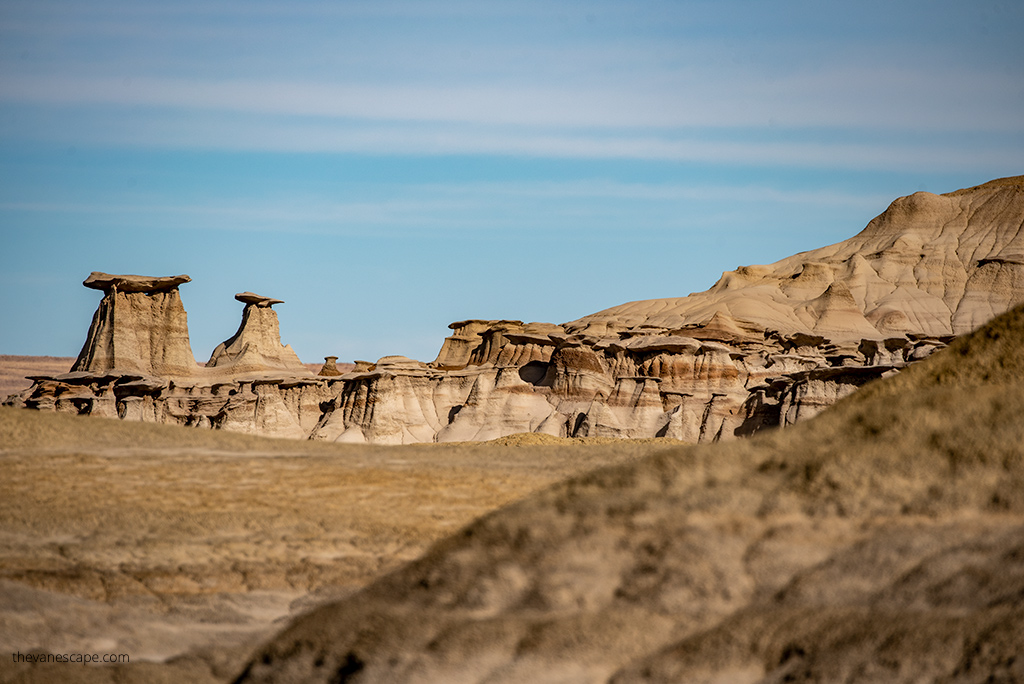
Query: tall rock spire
[[256, 347], [140, 326]]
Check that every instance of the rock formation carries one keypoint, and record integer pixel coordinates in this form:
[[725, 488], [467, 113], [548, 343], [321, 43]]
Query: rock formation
[[137, 364], [140, 327], [881, 542], [330, 367], [931, 265], [256, 347], [765, 346]]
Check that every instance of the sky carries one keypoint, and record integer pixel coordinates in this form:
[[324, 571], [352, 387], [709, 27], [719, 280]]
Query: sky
[[387, 168]]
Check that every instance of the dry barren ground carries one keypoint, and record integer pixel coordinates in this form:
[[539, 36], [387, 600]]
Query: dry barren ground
[[13, 370], [158, 541]]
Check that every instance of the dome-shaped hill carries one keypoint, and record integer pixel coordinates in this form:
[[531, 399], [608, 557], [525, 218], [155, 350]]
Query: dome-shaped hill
[[930, 264]]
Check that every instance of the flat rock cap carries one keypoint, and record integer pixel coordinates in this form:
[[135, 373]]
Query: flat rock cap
[[133, 283], [258, 300]]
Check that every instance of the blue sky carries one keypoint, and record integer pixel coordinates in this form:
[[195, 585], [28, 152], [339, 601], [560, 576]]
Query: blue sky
[[387, 168]]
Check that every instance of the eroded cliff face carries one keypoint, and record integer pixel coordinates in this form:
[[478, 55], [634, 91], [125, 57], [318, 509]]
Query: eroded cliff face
[[766, 346], [933, 265]]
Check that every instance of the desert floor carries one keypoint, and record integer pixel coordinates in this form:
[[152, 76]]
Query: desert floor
[[13, 370], [163, 542]]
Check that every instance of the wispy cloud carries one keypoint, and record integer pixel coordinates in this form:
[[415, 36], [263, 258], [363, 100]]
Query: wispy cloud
[[602, 80], [448, 208], [851, 97], [205, 130]]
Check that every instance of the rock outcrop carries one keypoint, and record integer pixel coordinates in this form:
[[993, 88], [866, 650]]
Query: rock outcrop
[[934, 265], [330, 367], [137, 364], [139, 327], [256, 347], [765, 346]]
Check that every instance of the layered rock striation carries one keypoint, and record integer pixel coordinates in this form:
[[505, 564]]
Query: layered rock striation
[[140, 326], [765, 346], [137, 364], [933, 265]]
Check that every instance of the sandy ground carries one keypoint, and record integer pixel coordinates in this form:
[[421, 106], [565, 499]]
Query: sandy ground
[[13, 370], [158, 541]]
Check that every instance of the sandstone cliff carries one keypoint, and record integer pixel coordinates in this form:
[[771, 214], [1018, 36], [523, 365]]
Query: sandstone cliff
[[765, 346]]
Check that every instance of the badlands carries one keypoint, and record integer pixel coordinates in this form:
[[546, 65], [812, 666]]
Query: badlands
[[765, 346], [879, 540]]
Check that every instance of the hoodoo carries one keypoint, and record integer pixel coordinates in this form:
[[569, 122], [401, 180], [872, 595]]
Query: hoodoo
[[765, 346], [140, 326], [256, 347]]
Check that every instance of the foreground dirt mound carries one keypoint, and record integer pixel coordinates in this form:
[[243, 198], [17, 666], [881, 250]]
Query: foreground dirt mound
[[881, 541]]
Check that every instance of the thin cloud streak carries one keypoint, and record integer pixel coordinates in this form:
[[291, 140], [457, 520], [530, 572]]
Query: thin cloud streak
[[903, 100], [447, 206], [302, 136]]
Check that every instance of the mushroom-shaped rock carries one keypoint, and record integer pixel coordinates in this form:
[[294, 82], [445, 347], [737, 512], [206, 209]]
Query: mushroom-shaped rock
[[140, 326], [330, 367], [106, 282], [258, 300], [256, 347]]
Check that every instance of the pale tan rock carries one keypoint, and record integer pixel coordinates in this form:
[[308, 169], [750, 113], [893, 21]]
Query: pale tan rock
[[258, 300], [456, 350], [134, 283], [934, 264], [330, 367], [140, 326], [256, 346], [500, 403]]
